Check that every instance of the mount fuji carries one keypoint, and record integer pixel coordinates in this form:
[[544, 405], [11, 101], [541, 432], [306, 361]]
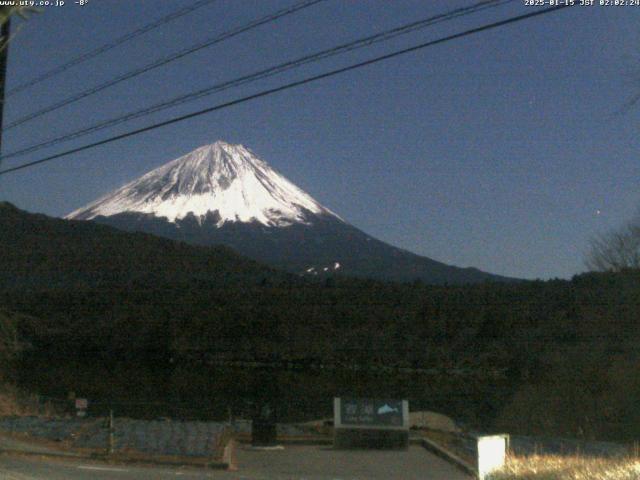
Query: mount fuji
[[225, 194]]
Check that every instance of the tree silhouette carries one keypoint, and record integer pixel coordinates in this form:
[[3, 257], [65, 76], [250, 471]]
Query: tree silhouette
[[616, 250]]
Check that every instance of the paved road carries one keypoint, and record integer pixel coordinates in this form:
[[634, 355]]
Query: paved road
[[22, 468], [10, 443], [292, 463]]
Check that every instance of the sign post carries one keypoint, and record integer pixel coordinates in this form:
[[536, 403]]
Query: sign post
[[371, 423], [81, 407]]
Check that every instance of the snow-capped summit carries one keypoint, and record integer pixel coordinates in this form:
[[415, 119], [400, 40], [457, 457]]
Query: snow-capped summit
[[222, 179]]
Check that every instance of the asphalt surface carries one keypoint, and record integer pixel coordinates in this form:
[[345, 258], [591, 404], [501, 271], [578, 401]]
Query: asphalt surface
[[22, 468], [292, 463], [325, 463]]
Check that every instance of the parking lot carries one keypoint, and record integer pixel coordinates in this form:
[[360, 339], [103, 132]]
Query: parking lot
[[325, 463], [291, 463]]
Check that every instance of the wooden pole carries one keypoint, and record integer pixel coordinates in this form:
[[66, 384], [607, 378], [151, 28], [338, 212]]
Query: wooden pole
[[111, 433]]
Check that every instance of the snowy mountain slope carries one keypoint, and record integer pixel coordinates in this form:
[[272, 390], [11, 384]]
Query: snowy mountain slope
[[224, 194], [223, 178]]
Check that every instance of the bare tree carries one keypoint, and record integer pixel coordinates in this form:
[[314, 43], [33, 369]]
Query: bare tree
[[616, 250]]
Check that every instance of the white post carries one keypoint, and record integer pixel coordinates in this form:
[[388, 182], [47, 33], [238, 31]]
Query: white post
[[492, 452]]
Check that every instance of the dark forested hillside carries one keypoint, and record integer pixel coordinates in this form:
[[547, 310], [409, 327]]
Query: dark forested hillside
[[37, 251], [541, 357], [307, 248]]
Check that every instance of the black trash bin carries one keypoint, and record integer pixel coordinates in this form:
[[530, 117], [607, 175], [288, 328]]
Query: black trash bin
[[263, 427]]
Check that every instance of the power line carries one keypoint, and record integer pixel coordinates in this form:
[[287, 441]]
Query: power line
[[288, 86], [271, 71], [166, 60], [5, 32], [109, 46]]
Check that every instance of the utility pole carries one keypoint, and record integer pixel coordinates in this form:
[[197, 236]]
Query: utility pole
[[4, 52]]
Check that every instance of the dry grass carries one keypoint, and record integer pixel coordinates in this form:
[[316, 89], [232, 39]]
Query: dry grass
[[549, 467]]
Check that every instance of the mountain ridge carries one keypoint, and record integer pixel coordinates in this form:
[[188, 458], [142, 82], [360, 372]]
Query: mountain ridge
[[224, 194]]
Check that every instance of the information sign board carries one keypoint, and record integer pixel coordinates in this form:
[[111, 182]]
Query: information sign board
[[371, 413]]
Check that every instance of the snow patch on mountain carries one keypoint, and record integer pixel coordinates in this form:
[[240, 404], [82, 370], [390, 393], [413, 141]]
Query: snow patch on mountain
[[315, 270], [224, 179]]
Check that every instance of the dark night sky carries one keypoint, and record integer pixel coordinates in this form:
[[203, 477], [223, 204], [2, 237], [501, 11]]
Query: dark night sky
[[507, 150]]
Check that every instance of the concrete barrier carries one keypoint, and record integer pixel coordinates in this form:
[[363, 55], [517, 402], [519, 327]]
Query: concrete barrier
[[449, 456], [489, 454]]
